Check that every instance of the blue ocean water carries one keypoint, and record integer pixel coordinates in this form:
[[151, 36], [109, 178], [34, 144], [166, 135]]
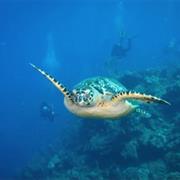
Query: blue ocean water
[[72, 40]]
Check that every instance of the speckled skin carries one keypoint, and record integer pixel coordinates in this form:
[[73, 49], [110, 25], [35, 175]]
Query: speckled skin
[[92, 98]]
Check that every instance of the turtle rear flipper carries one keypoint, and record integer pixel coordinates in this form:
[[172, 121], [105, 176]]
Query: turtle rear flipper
[[138, 96], [56, 83], [143, 113]]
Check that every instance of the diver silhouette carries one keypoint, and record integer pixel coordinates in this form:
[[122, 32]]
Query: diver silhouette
[[121, 48], [119, 51], [47, 112]]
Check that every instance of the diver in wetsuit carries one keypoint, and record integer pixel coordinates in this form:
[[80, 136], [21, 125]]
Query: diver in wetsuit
[[47, 112], [120, 49], [118, 52]]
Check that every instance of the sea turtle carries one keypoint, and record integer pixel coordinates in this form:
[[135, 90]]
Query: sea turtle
[[100, 97]]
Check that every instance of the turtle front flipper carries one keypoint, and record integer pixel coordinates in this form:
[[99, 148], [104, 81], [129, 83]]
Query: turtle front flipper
[[56, 83], [137, 96]]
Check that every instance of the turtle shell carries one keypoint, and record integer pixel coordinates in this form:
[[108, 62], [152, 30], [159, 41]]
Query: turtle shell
[[92, 90]]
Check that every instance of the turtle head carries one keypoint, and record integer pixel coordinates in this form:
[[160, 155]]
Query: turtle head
[[85, 97]]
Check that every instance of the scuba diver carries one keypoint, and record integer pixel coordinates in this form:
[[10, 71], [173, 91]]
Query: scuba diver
[[120, 49], [47, 112], [173, 47], [118, 52]]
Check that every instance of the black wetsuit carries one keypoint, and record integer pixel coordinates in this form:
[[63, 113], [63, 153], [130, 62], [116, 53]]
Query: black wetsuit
[[47, 112], [119, 50]]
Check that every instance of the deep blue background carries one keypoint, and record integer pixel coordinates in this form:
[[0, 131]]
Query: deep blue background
[[83, 34]]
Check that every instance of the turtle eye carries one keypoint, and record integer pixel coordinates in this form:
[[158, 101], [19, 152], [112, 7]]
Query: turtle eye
[[84, 97], [80, 98]]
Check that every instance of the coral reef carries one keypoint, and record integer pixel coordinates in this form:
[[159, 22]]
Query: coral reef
[[134, 148]]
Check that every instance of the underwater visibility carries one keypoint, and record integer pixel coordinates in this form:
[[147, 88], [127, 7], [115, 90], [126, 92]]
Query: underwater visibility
[[100, 98]]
